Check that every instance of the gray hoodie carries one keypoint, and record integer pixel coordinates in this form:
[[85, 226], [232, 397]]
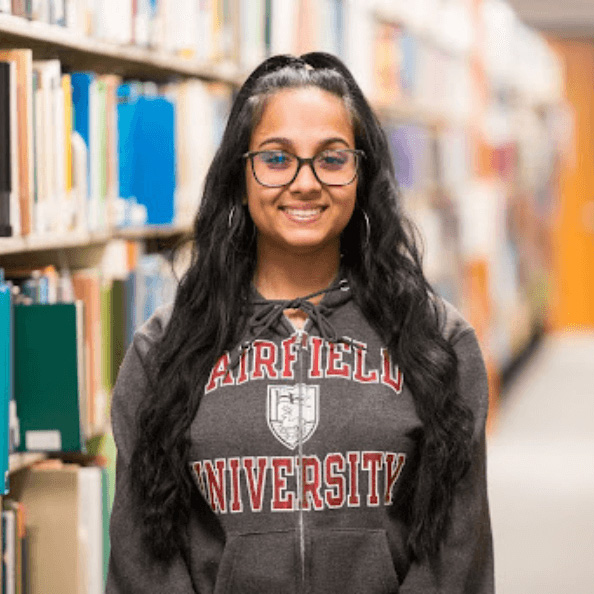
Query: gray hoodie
[[302, 452]]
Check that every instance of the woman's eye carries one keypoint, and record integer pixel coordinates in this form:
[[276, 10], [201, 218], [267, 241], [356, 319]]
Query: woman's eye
[[333, 160], [276, 159]]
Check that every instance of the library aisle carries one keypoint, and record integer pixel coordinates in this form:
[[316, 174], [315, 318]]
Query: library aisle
[[541, 476]]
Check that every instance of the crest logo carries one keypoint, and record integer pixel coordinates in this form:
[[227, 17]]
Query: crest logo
[[286, 405]]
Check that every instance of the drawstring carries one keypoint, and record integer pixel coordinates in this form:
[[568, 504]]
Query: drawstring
[[269, 312]]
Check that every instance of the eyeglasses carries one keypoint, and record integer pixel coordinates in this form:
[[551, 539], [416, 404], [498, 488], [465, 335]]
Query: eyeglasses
[[334, 167]]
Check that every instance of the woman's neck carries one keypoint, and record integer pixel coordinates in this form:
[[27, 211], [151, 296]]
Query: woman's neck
[[288, 276]]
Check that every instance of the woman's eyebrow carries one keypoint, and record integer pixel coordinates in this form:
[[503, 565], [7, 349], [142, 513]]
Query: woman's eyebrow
[[286, 142]]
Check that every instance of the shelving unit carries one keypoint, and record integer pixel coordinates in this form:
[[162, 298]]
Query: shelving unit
[[443, 202], [84, 53]]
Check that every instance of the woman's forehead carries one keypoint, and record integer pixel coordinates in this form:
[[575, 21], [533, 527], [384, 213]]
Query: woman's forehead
[[306, 114]]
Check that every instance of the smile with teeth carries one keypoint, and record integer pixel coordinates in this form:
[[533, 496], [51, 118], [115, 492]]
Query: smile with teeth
[[303, 214]]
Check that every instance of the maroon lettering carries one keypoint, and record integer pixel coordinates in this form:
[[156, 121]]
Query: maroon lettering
[[372, 462], [216, 485], [255, 484], [394, 464], [243, 365], [389, 377], [311, 482], [353, 499], [335, 493], [265, 353], [219, 375], [289, 357], [361, 374], [335, 366], [281, 501], [315, 367], [236, 503], [197, 466]]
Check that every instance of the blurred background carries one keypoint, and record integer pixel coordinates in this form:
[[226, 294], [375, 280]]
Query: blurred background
[[110, 111]]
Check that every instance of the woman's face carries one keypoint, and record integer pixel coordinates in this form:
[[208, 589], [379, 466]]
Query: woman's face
[[305, 216]]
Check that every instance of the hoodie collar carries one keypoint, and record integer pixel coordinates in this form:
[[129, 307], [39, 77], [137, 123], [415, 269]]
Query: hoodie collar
[[268, 314]]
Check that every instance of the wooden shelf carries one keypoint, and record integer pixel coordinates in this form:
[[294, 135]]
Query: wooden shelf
[[20, 245], [20, 460], [406, 111], [78, 52]]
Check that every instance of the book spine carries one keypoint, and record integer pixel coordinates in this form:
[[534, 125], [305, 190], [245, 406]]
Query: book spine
[[6, 181]]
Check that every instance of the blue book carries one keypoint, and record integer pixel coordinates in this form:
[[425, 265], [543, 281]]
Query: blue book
[[155, 159], [5, 379], [81, 89], [127, 123]]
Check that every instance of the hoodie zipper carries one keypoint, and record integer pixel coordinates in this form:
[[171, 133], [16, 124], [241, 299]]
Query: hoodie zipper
[[301, 519]]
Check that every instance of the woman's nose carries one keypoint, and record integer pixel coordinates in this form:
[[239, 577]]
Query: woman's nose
[[305, 181]]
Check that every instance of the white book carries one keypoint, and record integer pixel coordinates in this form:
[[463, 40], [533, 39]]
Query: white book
[[205, 17], [9, 520], [141, 23], [182, 26], [194, 146], [359, 30], [79, 180], [283, 26], [252, 47], [90, 530], [49, 80]]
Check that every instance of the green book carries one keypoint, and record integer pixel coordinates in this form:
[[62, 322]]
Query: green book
[[49, 377]]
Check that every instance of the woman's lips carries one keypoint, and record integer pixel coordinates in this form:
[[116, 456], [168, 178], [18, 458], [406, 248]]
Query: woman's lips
[[303, 215]]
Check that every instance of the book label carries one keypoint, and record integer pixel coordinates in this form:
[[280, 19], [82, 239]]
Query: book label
[[43, 440]]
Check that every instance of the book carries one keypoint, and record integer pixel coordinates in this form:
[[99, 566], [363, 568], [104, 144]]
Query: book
[[85, 107], [87, 288], [64, 511], [52, 414], [23, 60], [8, 551], [90, 529], [16, 545], [6, 379], [153, 137], [8, 149], [49, 117]]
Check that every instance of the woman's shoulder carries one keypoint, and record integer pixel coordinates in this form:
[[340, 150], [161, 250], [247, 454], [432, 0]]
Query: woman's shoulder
[[153, 329], [452, 323]]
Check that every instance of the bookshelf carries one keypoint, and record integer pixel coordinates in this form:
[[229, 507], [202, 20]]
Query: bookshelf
[[438, 90], [75, 50]]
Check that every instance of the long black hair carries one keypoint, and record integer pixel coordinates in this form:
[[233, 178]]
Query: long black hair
[[384, 269]]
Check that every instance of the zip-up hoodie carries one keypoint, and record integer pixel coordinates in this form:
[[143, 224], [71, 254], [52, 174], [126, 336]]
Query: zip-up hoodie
[[303, 451]]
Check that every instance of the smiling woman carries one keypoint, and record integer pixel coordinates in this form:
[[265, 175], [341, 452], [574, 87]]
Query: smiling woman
[[308, 415], [300, 222]]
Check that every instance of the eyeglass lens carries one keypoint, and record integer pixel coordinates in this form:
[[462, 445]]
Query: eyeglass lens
[[278, 168]]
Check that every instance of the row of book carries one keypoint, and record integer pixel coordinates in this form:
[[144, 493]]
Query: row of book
[[64, 551], [79, 323], [87, 152], [239, 32], [413, 69]]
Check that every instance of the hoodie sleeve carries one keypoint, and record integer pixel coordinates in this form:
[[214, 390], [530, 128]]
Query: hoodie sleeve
[[131, 569], [465, 562]]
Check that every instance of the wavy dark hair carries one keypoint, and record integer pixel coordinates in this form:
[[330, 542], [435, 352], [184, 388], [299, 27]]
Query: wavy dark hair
[[384, 270]]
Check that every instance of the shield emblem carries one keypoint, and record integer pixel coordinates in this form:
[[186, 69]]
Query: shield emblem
[[292, 412]]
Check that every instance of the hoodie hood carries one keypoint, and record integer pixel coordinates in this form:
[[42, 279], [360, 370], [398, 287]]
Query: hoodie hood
[[268, 316]]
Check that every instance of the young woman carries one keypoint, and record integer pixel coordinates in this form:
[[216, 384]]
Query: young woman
[[308, 415]]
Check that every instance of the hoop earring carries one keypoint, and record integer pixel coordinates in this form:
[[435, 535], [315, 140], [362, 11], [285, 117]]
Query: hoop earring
[[367, 228], [231, 215]]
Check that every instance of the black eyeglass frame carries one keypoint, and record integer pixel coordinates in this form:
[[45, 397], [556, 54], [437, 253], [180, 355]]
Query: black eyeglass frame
[[301, 161]]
